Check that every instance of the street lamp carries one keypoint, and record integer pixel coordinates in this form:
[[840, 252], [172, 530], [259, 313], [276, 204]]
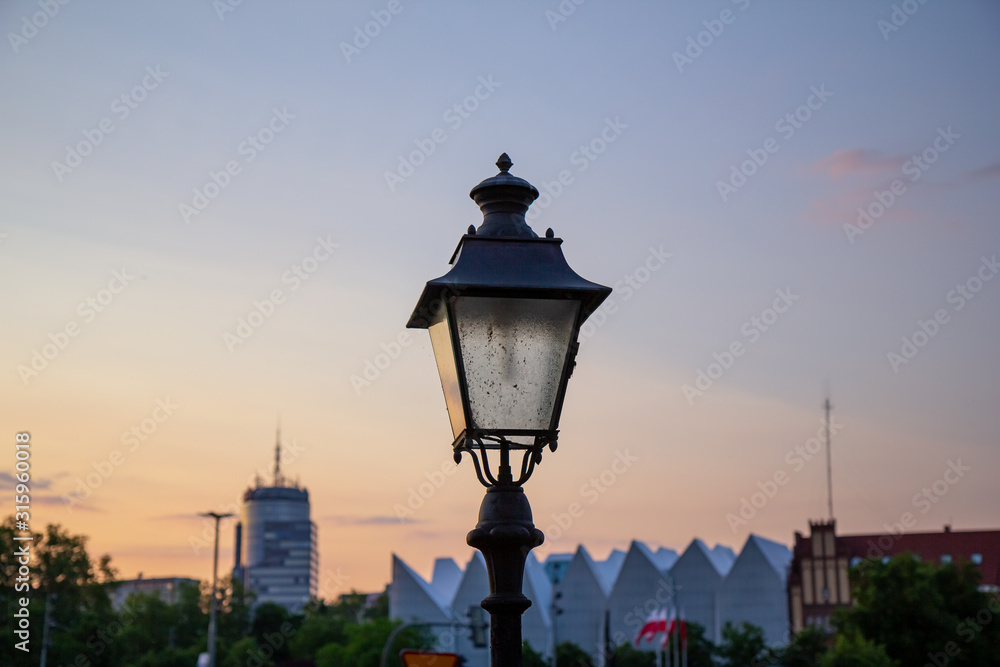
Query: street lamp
[[504, 324], [215, 575]]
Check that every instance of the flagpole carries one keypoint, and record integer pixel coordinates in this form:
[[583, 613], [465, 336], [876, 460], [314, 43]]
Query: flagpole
[[659, 646], [684, 640], [677, 660]]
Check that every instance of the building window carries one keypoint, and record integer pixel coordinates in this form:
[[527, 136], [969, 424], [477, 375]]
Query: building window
[[946, 558], [977, 559], [885, 559], [855, 561]]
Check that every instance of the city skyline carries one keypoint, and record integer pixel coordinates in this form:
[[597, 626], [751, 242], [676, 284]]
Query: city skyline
[[218, 213]]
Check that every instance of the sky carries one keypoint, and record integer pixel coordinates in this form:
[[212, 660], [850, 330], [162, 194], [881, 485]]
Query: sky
[[218, 213]]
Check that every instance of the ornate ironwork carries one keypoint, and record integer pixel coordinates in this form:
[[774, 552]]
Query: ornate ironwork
[[479, 445]]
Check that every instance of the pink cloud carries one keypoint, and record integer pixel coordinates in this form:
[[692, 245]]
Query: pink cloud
[[856, 161]]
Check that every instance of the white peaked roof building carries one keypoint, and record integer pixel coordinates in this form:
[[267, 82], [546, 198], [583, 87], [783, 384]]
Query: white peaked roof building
[[597, 603], [698, 575], [410, 597], [475, 586], [641, 587], [583, 595], [755, 592], [536, 623]]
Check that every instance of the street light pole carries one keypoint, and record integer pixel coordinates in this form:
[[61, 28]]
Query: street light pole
[[504, 323], [215, 577], [505, 534]]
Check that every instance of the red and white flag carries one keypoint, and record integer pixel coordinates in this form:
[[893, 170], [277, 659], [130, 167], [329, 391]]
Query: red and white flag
[[655, 624], [670, 628]]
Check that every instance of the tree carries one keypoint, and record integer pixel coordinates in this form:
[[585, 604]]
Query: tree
[[627, 656], [699, 648], [75, 587], [569, 654], [917, 610], [741, 645], [364, 644], [532, 658], [853, 650], [234, 610], [380, 609], [806, 648], [316, 631], [171, 657], [272, 629], [191, 616], [148, 626], [239, 653]]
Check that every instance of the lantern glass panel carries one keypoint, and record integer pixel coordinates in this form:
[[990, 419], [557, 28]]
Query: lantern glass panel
[[444, 354], [514, 356]]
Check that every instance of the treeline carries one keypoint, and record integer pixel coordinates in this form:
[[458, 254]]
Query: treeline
[[85, 630], [905, 613]]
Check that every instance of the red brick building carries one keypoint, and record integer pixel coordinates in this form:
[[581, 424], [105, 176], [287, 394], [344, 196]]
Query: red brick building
[[818, 579]]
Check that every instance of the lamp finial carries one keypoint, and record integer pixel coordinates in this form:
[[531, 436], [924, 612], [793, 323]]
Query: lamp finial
[[504, 163]]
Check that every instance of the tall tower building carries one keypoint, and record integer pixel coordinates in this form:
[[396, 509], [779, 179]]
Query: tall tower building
[[276, 553]]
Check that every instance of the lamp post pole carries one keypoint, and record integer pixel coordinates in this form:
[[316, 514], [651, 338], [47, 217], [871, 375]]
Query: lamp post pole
[[505, 534], [504, 325], [215, 577]]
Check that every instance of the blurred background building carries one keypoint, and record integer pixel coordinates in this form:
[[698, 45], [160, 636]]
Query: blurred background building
[[166, 588], [275, 550], [597, 604], [818, 582]]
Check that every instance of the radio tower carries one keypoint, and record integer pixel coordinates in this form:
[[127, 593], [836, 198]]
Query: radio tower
[[829, 468], [278, 481]]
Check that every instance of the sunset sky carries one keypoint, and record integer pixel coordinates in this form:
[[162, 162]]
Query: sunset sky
[[813, 185]]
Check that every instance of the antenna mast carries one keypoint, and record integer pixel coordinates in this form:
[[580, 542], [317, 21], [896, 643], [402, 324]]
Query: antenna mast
[[829, 468], [277, 455]]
